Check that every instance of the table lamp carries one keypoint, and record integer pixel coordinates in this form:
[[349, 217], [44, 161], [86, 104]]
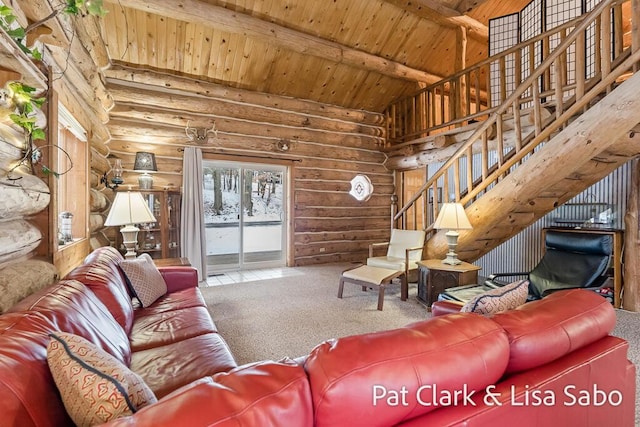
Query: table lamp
[[129, 208], [145, 162], [452, 218]]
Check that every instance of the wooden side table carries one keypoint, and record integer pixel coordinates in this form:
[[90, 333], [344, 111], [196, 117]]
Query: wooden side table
[[435, 277]]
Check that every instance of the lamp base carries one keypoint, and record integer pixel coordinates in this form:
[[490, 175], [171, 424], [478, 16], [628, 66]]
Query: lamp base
[[452, 242], [451, 259], [145, 181], [130, 240]]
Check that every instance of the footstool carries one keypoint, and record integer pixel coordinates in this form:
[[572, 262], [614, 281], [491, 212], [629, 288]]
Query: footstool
[[369, 277]]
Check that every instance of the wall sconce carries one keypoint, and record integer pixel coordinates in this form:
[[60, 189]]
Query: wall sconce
[[145, 162], [117, 176], [200, 134]]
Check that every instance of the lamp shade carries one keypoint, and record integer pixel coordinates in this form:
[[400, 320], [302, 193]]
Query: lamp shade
[[452, 217], [129, 208], [145, 162]]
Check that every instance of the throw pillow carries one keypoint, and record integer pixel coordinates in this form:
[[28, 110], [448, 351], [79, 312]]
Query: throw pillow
[[145, 278], [95, 387], [496, 300]]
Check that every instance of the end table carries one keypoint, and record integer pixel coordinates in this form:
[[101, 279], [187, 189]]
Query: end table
[[435, 277]]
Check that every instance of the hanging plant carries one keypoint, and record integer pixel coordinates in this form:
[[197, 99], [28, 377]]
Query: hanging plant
[[26, 106], [9, 24]]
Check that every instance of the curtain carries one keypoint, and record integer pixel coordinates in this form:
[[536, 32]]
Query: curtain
[[192, 235]]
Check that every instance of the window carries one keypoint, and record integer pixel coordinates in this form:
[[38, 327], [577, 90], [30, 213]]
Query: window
[[72, 199]]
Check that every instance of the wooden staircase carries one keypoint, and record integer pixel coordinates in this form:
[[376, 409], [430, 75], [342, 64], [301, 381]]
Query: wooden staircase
[[558, 132]]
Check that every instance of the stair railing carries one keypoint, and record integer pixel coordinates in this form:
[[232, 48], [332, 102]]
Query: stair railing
[[460, 98], [570, 94]]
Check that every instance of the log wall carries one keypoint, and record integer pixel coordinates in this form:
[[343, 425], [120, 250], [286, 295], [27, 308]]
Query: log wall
[[30, 257], [328, 147]]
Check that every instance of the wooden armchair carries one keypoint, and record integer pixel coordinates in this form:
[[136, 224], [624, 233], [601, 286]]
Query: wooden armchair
[[404, 250]]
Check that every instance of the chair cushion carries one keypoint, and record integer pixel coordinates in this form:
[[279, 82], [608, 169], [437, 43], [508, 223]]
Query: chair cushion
[[406, 239], [145, 278], [500, 299], [391, 263], [571, 260], [94, 386]]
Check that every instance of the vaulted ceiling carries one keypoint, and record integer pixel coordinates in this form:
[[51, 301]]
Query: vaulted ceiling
[[360, 54]]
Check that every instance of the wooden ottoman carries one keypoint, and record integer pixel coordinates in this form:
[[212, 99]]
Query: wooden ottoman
[[370, 277]]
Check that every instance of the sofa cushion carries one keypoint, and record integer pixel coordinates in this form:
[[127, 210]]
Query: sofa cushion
[[94, 386], [260, 394], [169, 367], [545, 330], [72, 307], [107, 282], [500, 299], [146, 280], [356, 380], [155, 330], [186, 298]]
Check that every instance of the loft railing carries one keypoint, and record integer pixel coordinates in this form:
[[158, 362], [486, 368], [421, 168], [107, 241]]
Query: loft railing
[[477, 92], [488, 155]]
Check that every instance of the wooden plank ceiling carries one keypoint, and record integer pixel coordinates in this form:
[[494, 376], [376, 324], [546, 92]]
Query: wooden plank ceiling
[[358, 54]]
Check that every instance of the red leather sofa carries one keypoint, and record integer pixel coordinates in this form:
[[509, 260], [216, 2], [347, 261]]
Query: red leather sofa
[[550, 363]]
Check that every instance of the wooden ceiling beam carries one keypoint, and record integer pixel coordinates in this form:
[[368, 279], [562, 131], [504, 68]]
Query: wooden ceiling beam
[[442, 15], [217, 17], [466, 6]]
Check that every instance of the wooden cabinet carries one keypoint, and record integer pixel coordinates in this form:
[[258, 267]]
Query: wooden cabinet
[[160, 239], [435, 277]]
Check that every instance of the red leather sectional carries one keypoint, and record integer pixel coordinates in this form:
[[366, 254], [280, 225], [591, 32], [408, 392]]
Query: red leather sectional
[[550, 363]]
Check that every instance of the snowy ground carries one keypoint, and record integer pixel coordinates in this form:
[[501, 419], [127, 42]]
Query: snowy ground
[[260, 232]]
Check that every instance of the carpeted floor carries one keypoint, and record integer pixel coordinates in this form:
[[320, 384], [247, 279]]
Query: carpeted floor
[[274, 318], [271, 319]]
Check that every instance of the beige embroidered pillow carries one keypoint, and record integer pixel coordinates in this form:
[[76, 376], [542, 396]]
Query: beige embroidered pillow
[[145, 278], [95, 387], [496, 300]]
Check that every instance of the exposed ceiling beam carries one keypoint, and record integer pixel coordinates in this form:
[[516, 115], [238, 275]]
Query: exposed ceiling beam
[[220, 18], [443, 15], [466, 6]]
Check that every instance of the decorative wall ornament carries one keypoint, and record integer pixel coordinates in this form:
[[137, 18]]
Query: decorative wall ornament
[[361, 188], [283, 145], [200, 135]]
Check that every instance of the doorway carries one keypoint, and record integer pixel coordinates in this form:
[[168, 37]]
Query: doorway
[[245, 215]]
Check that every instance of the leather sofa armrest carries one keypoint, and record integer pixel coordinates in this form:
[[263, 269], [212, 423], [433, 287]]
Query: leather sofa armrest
[[440, 308], [179, 277]]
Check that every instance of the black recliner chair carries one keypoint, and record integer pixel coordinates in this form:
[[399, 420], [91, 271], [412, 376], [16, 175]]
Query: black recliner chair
[[571, 260]]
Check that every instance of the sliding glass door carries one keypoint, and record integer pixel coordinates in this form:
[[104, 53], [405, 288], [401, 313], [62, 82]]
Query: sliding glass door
[[245, 215]]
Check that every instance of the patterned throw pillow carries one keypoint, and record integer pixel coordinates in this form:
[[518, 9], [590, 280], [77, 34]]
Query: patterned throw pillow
[[145, 278], [496, 300], [95, 387]]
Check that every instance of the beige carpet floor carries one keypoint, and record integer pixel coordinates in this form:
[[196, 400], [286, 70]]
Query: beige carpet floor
[[274, 318], [287, 317]]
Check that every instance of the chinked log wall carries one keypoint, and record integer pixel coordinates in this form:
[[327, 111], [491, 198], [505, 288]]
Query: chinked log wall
[[29, 256], [329, 146]]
